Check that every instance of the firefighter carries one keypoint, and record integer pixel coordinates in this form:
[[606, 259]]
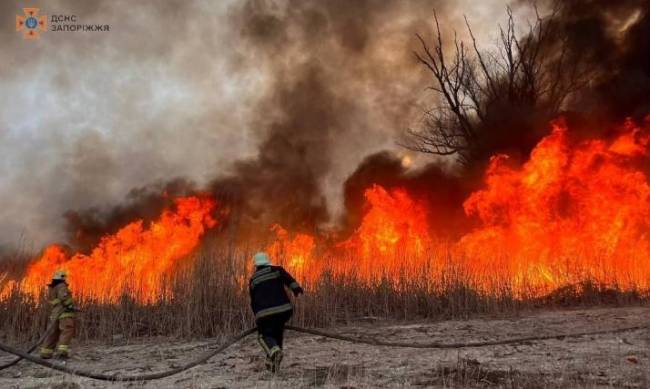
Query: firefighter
[[271, 306], [61, 318]]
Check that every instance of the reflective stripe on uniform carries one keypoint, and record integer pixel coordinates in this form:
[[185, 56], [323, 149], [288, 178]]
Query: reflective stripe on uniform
[[63, 347], [258, 280], [55, 301], [260, 273], [273, 310], [66, 314], [46, 351], [265, 347], [68, 301], [274, 350], [263, 271]]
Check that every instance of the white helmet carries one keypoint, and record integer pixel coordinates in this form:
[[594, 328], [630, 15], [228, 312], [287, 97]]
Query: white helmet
[[261, 259], [59, 275]]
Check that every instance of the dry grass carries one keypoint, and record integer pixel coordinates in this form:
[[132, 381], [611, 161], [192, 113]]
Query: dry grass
[[208, 297]]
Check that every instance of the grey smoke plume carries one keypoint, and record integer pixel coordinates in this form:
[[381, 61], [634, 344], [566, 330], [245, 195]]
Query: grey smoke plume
[[272, 102], [339, 69], [86, 117]]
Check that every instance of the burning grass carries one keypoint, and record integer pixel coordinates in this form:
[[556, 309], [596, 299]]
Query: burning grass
[[577, 211], [206, 297], [569, 225], [134, 259]]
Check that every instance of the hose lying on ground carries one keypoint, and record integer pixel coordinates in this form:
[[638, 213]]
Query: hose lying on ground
[[242, 335], [32, 348], [437, 345], [119, 377]]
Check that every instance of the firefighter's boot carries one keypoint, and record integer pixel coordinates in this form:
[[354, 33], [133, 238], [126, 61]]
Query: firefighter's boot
[[62, 351], [276, 359], [46, 352], [268, 363]]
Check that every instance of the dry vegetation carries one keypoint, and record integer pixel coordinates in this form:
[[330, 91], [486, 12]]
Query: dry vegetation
[[208, 297], [606, 360]]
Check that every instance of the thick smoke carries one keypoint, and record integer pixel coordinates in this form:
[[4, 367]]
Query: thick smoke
[[584, 60], [625, 86], [85, 117], [193, 89], [337, 91], [271, 105], [432, 184], [612, 36], [611, 39], [609, 42], [275, 103]]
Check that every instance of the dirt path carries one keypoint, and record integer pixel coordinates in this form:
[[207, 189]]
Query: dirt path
[[610, 360]]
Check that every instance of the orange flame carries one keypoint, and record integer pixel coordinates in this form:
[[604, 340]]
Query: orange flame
[[571, 213], [295, 252], [393, 230], [394, 225], [134, 260]]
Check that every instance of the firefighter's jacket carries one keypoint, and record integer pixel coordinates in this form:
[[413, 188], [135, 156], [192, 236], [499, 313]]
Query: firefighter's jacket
[[268, 296], [61, 301]]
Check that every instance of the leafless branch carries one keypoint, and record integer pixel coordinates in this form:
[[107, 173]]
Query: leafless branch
[[536, 72]]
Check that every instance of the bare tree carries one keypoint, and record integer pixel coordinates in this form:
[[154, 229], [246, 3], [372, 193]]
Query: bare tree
[[531, 76]]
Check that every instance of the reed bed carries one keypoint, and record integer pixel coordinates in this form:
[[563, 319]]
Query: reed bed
[[207, 296]]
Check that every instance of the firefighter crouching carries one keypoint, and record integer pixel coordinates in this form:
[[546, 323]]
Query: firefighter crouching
[[61, 318], [271, 306]]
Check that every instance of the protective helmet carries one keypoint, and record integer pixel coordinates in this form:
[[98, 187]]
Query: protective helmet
[[59, 275], [261, 259]]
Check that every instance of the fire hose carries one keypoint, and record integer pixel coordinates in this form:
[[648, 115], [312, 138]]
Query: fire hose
[[50, 328], [206, 356]]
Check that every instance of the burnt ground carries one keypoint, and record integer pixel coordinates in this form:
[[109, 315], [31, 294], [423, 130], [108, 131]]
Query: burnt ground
[[608, 360]]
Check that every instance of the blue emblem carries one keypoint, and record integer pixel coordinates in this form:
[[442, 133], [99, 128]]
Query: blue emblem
[[31, 22]]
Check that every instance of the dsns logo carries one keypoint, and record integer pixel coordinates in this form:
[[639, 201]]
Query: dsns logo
[[31, 23]]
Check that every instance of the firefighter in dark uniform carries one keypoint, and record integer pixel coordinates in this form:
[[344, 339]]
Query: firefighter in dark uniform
[[271, 306]]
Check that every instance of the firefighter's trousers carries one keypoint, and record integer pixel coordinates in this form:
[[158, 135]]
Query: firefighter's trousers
[[60, 338], [270, 330]]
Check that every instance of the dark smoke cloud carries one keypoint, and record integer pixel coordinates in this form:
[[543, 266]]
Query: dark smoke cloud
[[432, 184], [609, 39], [613, 37], [281, 184], [272, 104], [332, 68], [593, 69], [626, 92]]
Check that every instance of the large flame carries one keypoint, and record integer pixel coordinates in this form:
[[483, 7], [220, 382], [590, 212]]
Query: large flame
[[295, 250], [135, 260], [395, 225], [573, 212], [394, 231]]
